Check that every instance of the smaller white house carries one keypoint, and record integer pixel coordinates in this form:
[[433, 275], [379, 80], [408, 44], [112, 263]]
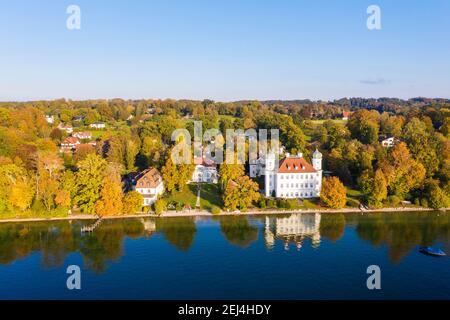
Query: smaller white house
[[66, 128], [389, 142], [205, 171], [257, 168], [98, 125], [83, 135], [49, 118], [150, 184]]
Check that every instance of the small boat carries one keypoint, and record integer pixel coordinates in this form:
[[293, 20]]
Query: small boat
[[432, 251]]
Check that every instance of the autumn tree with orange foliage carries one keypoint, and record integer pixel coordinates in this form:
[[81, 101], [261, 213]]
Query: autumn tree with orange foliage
[[333, 194]]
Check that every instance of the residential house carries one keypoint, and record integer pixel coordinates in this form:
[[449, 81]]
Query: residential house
[[83, 135], [345, 115], [149, 183], [49, 118], [98, 125], [69, 144], [293, 177], [389, 142], [66, 128], [205, 171]]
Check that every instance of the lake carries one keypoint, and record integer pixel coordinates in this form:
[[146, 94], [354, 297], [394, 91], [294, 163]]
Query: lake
[[298, 256]]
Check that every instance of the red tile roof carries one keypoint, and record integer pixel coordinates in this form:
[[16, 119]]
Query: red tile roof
[[295, 165], [149, 178], [71, 140]]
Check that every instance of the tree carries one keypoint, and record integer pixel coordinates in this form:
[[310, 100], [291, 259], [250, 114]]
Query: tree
[[436, 196], [89, 181], [185, 172], [229, 172], [170, 175], [333, 194], [110, 201], [401, 171], [240, 193], [62, 198], [421, 143], [160, 206], [21, 194], [379, 189], [176, 176], [363, 125], [131, 152], [132, 202]]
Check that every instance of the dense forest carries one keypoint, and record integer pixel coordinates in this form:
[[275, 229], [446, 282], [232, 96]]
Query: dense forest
[[35, 176]]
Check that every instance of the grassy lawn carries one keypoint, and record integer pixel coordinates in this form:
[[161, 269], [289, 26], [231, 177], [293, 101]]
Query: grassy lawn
[[210, 196]]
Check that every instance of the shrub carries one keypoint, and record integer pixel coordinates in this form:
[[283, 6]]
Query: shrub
[[394, 200], [215, 210], [271, 203], [292, 204], [352, 203], [262, 203], [424, 202], [160, 206]]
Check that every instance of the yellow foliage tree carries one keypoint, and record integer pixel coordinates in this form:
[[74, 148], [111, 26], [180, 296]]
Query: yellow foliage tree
[[333, 194]]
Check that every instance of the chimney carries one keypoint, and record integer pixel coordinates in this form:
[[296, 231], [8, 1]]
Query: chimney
[[300, 155], [287, 155]]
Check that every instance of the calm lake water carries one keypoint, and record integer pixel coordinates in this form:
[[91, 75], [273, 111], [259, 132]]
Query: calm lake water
[[301, 256]]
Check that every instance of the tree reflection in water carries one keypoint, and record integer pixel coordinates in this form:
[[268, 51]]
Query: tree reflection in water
[[238, 231], [400, 232]]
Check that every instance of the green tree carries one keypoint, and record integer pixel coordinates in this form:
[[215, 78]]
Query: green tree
[[89, 181], [379, 189]]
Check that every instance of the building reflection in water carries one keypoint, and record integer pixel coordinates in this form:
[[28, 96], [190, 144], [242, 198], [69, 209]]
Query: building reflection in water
[[149, 226], [293, 229]]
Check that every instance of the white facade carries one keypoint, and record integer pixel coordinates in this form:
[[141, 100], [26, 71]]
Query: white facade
[[98, 125], [257, 169], [293, 229], [50, 119], [293, 177], [149, 184], [205, 173], [150, 194], [83, 135], [65, 128], [389, 142]]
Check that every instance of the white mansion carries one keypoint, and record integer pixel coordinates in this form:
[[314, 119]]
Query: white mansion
[[149, 183], [294, 177]]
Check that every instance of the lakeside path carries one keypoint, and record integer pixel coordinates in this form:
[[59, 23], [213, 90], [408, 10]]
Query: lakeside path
[[203, 213]]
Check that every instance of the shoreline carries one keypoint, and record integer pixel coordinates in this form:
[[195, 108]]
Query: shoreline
[[204, 213]]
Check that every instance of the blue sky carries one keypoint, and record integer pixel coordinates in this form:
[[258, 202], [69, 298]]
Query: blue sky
[[224, 50]]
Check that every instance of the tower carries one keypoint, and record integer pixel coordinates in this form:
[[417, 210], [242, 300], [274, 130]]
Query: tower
[[269, 175], [317, 164], [317, 160]]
